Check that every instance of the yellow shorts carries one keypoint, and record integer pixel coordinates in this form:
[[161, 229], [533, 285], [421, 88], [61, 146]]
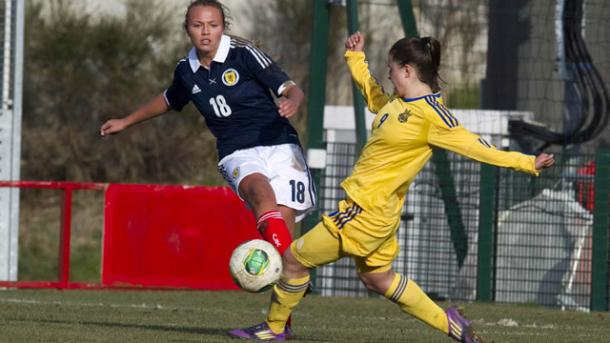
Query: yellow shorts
[[350, 231]]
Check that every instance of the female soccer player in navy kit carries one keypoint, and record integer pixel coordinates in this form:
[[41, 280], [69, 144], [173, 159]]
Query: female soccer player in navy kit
[[408, 124], [228, 79]]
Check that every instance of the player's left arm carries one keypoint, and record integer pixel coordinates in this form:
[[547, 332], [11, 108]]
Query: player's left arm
[[466, 143], [269, 73], [291, 100]]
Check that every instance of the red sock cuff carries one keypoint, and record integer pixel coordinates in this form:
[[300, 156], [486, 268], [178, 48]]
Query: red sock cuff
[[272, 227], [268, 215]]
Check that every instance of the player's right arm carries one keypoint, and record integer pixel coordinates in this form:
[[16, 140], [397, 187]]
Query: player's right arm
[[371, 90], [151, 109], [175, 97]]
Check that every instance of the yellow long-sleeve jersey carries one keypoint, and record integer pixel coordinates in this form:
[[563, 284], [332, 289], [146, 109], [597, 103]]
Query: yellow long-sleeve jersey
[[403, 135]]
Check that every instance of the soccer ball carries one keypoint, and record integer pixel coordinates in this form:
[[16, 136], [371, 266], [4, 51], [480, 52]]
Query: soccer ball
[[255, 265]]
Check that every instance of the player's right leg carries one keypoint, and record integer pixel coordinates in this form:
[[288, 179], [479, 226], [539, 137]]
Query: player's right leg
[[258, 193], [412, 300], [276, 184], [375, 271], [460, 328], [247, 173]]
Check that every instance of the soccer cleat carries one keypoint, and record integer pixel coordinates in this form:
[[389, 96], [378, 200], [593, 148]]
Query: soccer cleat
[[460, 328], [261, 332]]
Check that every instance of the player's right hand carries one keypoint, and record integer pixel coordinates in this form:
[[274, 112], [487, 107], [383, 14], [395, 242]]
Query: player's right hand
[[544, 161], [113, 126], [355, 42]]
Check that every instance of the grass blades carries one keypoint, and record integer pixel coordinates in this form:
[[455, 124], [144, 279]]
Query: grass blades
[[193, 316]]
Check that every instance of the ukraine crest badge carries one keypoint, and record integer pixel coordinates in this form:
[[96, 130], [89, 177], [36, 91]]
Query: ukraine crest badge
[[404, 116]]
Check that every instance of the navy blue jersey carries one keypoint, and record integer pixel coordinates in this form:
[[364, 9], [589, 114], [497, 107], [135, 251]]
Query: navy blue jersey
[[233, 96]]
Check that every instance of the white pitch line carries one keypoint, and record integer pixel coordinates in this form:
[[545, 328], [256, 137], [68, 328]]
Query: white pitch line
[[88, 304], [509, 322]]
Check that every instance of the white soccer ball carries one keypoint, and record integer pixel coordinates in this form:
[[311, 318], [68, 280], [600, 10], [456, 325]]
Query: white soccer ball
[[255, 265]]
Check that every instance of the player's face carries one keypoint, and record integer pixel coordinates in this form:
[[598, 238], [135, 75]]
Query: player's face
[[396, 74], [205, 28]]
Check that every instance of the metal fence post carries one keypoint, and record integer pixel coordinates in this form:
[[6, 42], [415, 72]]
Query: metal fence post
[[485, 247], [407, 18], [459, 238], [601, 226], [352, 23], [316, 147]]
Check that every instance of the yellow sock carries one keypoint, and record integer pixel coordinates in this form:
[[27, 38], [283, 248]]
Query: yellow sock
[[412, 300], [287, 294]]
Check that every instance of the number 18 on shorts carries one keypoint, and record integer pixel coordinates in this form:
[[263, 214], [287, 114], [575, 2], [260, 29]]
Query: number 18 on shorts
[[285, 167]]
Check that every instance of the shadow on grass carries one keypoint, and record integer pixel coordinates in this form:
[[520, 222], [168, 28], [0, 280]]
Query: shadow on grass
[[195, 330], [220, 332]]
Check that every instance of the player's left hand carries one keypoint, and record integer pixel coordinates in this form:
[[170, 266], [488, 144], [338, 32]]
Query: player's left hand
[[289, 102], [544, 161], [287, 107]]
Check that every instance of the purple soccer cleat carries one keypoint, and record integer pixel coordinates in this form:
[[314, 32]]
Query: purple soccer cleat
[[261, 332], [460, 328]]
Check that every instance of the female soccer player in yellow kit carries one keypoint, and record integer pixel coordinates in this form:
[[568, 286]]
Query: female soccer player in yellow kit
[[408, 125]]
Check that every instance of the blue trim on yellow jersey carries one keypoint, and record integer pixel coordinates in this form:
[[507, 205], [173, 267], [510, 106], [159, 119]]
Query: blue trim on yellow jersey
[[341, 216], [484, 142], [436, 95], [440, 114], [447, 113], [347, 216]]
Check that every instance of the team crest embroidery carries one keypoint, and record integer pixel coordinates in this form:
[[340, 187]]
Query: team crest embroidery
[[404, 116], [235, 173], [230, 77]]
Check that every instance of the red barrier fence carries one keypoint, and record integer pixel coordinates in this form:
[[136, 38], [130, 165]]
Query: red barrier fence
[[172, 236], [155, 236]]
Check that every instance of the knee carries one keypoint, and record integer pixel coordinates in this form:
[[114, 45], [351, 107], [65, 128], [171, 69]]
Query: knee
[[254, 188], [292, 267], [377, 282], [371, 284]]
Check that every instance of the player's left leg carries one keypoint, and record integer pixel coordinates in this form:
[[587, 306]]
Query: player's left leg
[[289, 218], [287, 293], [317, 247], [291, 183]]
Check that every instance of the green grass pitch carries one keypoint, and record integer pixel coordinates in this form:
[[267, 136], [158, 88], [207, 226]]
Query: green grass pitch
[[193, 316]]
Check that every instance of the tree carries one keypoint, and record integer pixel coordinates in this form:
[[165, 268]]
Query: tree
[[81, 70]]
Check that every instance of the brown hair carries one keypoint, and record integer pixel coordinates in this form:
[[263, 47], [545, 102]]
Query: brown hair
[[424, 53], [224, 11]]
